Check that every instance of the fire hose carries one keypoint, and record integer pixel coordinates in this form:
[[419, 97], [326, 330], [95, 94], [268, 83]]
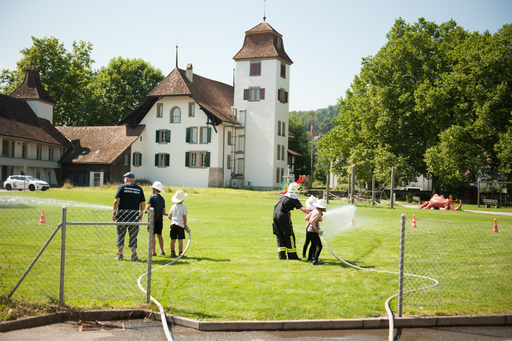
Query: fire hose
[[162, 311], [388, 309]]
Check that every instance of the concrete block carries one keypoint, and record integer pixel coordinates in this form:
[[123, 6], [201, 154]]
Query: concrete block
[[413, 322], [241, 325], [322, 324], [375, 323], [453, 321], [182, 321]]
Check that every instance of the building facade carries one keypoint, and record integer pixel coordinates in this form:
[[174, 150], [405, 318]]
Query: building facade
[[203, 133]]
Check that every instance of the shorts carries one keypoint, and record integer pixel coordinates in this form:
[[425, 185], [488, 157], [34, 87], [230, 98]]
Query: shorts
[[159, 224], [133, 230], [177, 232]]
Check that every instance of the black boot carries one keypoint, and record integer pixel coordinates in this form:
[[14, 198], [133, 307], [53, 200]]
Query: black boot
[[282, 254]]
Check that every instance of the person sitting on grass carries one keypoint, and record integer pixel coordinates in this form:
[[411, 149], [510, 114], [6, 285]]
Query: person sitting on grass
[[178, 216], [313, 228]]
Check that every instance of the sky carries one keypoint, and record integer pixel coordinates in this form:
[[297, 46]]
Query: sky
[[326, 39]]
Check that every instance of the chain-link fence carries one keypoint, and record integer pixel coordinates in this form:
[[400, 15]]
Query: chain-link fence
[[92, 273], [472, 262]]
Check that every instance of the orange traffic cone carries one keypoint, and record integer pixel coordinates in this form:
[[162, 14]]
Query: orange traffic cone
[[41, 220], [495, 228], [352, 222], [413, 222]]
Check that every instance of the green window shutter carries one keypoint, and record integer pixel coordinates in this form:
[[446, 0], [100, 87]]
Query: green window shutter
[[157, 136], [186, 158], [207, 159], [133, 159], [156, 160], [187, 136], [140, 159], [168, 139], [167, 158], [209, 135]]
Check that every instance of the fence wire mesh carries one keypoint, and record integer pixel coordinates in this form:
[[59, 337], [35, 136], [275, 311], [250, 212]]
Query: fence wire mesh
[[93, 275], [470, 262]]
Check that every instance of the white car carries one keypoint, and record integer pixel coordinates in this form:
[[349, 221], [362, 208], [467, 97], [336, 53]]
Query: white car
[[21, 182]]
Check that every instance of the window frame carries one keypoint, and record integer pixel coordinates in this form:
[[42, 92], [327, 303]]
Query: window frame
[[191, 109], [197, 159], [189, 135], [172, 118], [162, 160], [205, 131], [159, 110], [163, 136], [137, 159]]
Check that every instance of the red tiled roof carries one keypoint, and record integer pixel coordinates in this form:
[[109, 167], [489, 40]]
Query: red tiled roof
[[17, 120], [262, 42], [214, 98], [98, 144], [32, 88]]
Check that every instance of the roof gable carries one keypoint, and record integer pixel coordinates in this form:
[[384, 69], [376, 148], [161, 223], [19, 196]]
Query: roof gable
[[17, 120], [98, 144], [214, 98]]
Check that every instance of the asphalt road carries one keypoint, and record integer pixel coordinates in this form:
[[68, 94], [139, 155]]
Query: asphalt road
[[152, 330]]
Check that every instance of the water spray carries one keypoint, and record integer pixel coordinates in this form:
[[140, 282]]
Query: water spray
[[386, 304]]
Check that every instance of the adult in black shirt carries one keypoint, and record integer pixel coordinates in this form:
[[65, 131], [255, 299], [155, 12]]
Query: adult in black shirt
[[129, 205]]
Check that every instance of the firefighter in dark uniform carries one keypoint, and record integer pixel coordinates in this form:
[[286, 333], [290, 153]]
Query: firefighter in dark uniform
[[282, 226]]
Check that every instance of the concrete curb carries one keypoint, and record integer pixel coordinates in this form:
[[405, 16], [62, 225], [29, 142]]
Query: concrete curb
[[375, 323]]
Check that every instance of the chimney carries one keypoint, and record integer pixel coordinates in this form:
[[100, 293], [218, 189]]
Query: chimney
[[190, 73]]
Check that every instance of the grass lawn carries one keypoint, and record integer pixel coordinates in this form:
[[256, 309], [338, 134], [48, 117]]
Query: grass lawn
[[232, 272]]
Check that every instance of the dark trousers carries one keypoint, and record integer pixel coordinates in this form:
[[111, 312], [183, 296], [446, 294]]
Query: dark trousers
[[315, 240], [312, 249], [285, 243]]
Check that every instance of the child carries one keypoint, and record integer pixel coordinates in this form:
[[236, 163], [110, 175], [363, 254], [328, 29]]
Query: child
[[313, 229], [178, 216], [309, 205], [158, 203]]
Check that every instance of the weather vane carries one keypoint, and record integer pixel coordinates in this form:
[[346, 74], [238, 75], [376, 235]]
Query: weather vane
[[264, 9]]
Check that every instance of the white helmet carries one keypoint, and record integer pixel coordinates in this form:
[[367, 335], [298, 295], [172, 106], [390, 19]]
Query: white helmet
[[310, 202], [158, 186], [294, 188], [322, 203]]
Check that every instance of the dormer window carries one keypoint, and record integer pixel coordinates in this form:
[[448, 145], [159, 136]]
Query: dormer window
[[279, 43]]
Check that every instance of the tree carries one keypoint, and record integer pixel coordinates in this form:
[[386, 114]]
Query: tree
[[119, 88], [300, 143], [84, 96], [435, 98], [65, 76]]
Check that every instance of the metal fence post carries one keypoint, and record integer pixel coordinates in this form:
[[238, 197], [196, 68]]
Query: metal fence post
[[401, 266], [151, 221], [392, 186], [62, 256], [373, 190]]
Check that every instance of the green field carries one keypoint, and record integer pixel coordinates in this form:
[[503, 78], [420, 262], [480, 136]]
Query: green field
[[232, 272]]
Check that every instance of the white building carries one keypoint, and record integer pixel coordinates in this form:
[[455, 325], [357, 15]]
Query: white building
[[200, 132]]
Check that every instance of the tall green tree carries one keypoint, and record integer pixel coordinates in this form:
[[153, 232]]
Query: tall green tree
[[435, 98], [300, 143], [119, 88], [64, 74]]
